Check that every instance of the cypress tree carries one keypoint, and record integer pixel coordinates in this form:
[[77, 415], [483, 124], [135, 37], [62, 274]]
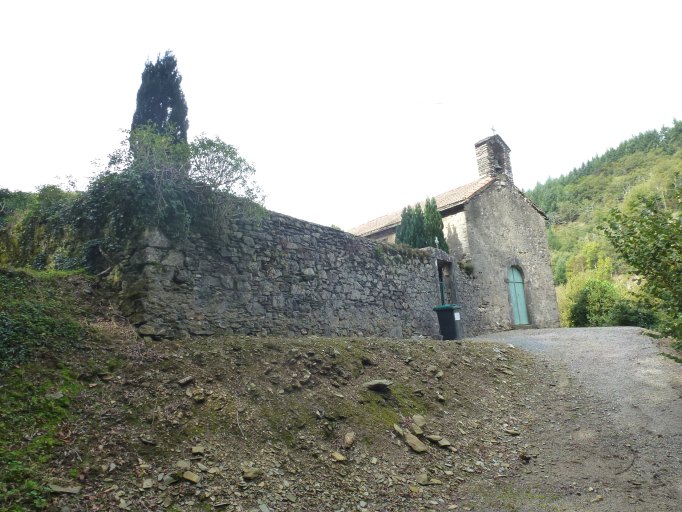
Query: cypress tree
[[160, 100], [421, 228], [433, 225], [419, 239], [405, 232]]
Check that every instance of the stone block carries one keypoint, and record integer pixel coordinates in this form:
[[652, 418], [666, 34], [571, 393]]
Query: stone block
[[153, 237], [173, 259]]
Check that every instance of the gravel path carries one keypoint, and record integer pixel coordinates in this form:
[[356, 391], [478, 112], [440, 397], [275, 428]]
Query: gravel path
[[607, 433]]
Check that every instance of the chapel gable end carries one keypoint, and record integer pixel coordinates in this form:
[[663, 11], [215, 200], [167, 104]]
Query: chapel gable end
[[492, 157]]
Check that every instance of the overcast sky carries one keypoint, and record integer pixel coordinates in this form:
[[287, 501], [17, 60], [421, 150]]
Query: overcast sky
[[348, 110]]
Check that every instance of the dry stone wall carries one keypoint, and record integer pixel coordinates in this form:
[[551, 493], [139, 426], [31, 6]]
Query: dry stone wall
[[281, 276]]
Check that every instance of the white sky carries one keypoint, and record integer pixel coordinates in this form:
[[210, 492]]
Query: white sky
[[347, 109]]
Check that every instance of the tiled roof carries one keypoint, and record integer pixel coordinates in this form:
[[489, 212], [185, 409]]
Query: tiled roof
[[444, 201]]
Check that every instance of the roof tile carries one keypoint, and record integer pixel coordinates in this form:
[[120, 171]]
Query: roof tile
[[444, 201]]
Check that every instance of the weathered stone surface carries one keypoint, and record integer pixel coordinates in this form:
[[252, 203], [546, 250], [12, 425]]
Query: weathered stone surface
[[173, 259], [147, 330], [155, 238], [414, 442], [64, 490], [281, 276], [338, 457], [348, 439], [251, 473], [191, 477], [419, 420], [186, 380]]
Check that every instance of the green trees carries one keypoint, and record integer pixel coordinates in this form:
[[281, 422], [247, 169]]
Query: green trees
[[405, 233], [649, 237], [433, 225], [160, 100], [627, 199], [593, 303], [421, 228]]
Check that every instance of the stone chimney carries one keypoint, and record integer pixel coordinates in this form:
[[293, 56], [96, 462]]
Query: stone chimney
[[492, 156]]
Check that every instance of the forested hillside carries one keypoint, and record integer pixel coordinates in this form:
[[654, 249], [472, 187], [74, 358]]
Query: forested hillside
[[596, 231]]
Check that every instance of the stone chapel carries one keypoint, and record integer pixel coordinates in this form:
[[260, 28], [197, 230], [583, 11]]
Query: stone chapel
[[498, 238]]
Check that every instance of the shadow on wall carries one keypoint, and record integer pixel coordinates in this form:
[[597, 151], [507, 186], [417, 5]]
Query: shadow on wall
[[454, 244], [463, 261]]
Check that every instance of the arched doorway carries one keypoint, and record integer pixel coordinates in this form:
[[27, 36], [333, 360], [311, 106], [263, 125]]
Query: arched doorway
[[517, 296]]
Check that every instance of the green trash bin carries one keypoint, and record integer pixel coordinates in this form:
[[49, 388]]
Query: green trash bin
[[449, 321]]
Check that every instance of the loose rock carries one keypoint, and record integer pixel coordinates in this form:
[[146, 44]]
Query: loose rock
[[414, 443], [380, 386], [419, 420], [191, 477], [348, 439], [186, 380], [338, 457], [64, 490], [251, 473]]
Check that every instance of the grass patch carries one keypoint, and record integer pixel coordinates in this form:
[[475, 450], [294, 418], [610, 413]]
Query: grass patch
[[34, 404], [37, 324], [675, 358], [34, 315]]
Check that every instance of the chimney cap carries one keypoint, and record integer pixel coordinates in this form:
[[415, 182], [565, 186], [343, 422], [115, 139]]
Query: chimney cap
[[496, 138]]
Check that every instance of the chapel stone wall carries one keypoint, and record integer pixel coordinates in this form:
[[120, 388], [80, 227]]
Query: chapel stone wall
[[505, 230], [282, 276]]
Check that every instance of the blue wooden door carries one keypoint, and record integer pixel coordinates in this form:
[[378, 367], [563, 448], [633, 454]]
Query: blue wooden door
[[517, 295]]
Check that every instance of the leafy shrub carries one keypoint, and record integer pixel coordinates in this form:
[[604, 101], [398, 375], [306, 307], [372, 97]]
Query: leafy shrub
[[626, 311], [649, 237], [593, 303], [670, 324], [35, 226]]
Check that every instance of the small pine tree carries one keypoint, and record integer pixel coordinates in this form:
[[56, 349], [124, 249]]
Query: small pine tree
[[433, 225], [405, 232], [160, 100], [421, 228], [419, 231]]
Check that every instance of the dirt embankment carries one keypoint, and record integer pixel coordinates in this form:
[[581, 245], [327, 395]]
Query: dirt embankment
[[247, 424]]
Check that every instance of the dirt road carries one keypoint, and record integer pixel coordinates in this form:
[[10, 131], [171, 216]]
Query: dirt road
[[606, 432]]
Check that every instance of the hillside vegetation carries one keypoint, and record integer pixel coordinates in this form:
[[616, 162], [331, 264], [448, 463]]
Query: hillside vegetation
[[149, 181], [597, 231]]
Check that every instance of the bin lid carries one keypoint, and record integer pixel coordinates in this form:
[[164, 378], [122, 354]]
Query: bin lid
[[447, 307]]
